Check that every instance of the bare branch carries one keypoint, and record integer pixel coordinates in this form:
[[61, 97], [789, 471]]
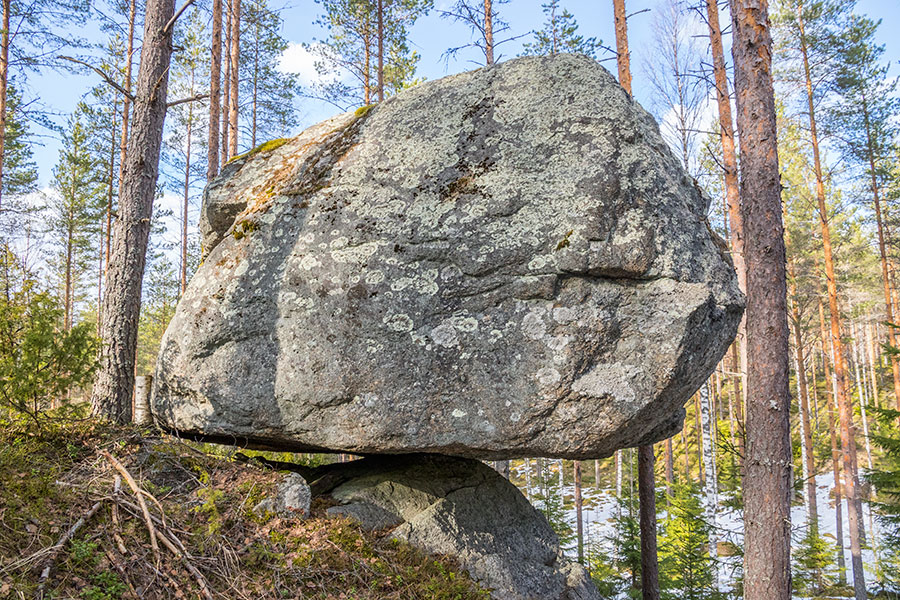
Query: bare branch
[[186, 100], [168, 28], [106, 76]]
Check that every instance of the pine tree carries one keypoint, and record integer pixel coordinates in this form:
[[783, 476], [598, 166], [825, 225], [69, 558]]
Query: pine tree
[[548, 498], [111, 394], [185, 144], [809, 30], [269, 93], [483, 20], [560, 34], [32, 32], [20, 175], [39, 362], [685, 564], [814, 561], [75, 205], [862, 117], [886, 480], [357, 45], [626, 541]]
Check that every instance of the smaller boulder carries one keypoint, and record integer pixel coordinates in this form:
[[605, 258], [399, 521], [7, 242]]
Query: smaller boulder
[[291, 499], [460, 508]]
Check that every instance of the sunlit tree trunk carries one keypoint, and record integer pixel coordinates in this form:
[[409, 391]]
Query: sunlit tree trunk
[[215, 83], [111, 397], [235, 77], [380, 8], [806, 445], [488, 33], [226, 85], [126, 113], [835, 451], [848, 442], [579, 524], [186, 198], [767, 466], [4, 81]]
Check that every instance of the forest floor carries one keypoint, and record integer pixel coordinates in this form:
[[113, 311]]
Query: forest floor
[[73, 526]]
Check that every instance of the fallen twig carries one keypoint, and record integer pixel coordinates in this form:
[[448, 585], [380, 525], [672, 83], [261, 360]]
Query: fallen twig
[[140, 498], [120, 543], [175, 546], [60, 543]]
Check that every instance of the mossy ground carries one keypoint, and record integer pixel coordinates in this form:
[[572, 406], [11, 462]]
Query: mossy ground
[[50, 476]]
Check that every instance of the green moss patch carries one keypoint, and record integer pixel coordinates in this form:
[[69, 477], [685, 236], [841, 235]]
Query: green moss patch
[[264, 147]]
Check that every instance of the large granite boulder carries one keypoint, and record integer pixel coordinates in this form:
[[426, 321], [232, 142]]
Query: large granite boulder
[[507, 262], [464, 509]]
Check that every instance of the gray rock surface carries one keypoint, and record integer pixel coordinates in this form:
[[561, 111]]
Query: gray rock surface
[[292, 498], [503, 263], [464, 509]]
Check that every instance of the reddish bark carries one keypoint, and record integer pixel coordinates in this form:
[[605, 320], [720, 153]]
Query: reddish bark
[[767, 465]]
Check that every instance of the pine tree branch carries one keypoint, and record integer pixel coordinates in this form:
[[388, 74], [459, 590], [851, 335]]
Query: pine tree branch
[[186, 100], [168, 28], [106, 76]]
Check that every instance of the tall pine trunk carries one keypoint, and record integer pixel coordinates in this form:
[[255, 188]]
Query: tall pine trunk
[[235, 77], [835, 451], [185, 199], [886, 280], [226, 85], [104, 232], [488, 33], [4, 81], [215, 82], [732, 192], [579, 505], [380, 8], [808, 456], [111, 396], [647, 498], [767, 466], [623, 58], [126, 108], [840, 376]]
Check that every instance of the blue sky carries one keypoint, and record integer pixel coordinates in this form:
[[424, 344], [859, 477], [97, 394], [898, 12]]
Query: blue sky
[[431, 36]]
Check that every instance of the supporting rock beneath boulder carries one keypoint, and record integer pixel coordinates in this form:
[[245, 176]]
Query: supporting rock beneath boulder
[[463, 509]]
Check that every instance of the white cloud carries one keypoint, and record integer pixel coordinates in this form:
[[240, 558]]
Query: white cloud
[[297, 59]]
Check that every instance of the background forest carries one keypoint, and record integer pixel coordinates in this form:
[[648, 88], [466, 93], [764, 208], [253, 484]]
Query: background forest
[[838, 109]]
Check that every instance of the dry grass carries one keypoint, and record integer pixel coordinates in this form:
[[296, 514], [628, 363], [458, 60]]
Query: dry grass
[[200, 504]]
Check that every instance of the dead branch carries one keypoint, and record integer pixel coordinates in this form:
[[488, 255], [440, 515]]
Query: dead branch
[[174, 18], [60, 543], [186, 100], [106, 76], [177, 548], [195, 573], [120, 543], [140, 498], [113, 559]]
